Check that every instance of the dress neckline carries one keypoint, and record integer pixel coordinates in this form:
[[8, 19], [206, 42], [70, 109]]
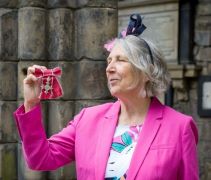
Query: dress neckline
[[128, 125]]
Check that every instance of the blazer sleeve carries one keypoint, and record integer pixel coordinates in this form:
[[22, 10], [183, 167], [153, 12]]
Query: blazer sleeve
[[189, 168], [42, 153]]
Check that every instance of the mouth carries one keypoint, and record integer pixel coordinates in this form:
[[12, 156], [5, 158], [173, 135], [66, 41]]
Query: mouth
[[112, 81]]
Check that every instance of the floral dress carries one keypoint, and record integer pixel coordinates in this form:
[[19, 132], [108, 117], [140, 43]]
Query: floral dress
[[122, 148]]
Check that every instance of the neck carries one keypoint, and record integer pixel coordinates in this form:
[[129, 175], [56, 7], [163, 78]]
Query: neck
[[133, 110]]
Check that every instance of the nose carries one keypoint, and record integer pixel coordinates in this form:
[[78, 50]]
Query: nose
[[110, 67]]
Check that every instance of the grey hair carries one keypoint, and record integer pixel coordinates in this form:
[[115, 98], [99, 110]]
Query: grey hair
[[138, 53]]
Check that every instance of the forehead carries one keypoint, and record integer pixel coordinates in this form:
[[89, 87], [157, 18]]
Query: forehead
[[117, 50]]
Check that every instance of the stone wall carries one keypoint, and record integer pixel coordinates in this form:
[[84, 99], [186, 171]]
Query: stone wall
[[202, 56], [67, 33], [186, 83], [186, 76], [60, 33]]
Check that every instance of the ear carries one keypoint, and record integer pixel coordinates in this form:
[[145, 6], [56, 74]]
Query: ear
[[145, 78]]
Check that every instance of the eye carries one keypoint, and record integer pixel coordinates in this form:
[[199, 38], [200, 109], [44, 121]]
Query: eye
[[122, 60]]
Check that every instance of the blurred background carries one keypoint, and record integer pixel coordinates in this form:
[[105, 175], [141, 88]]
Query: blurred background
[[70, 34]]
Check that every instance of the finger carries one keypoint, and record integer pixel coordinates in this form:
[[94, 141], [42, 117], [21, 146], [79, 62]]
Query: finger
[[44, 67], [39, 67], [39, 80], [30, 79], [30, 70]]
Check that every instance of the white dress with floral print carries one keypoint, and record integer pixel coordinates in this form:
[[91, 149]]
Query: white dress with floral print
[[122, 148]]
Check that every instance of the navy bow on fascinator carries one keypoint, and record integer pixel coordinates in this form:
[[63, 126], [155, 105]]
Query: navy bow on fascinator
[[135, 28]]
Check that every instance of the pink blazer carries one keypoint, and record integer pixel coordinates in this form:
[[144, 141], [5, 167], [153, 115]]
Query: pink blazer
[[166, 148]]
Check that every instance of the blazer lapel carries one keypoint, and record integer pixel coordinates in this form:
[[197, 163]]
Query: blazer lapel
[[147, 135], [106, 132]]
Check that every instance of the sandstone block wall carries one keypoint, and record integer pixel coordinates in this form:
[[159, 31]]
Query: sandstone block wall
[[69, 34]]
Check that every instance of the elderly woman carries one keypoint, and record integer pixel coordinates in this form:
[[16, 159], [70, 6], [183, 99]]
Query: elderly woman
[[135, 137]]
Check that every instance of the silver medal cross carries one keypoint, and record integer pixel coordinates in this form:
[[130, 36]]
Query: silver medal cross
[[47, 87]]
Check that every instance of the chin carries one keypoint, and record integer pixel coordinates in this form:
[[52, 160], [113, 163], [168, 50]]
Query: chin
[[114, 93]]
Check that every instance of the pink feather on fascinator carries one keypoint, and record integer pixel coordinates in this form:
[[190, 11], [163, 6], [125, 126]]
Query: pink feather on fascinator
[[110, 44]]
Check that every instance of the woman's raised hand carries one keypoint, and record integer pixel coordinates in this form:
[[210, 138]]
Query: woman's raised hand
[[31, 88]]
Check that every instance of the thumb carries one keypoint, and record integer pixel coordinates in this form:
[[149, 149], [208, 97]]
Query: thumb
[[30, 79]]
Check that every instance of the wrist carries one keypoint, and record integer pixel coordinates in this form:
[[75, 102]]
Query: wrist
[[28, 106]]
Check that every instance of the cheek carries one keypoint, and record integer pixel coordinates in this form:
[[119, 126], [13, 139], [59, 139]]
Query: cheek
[[125, 70], [130, 76]]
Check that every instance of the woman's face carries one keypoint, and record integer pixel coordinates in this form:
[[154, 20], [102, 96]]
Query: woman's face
[[119, 71]]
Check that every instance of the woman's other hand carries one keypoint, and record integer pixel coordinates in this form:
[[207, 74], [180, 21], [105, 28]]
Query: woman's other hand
[[31, 88]]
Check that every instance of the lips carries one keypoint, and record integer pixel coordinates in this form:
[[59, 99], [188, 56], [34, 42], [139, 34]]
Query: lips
[[112, 81]]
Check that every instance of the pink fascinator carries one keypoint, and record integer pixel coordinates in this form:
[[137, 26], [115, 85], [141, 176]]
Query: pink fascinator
[[110, 44], [135, 28]]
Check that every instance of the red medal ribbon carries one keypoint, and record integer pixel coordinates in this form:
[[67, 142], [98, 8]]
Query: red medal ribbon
[[50, 86]]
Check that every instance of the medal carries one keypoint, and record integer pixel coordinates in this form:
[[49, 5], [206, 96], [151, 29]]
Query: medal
[[50, 86]]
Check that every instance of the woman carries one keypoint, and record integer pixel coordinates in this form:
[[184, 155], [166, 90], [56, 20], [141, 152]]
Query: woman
[[134, 138]]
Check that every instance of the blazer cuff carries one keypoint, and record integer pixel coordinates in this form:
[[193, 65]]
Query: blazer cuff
[[29, 124]]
